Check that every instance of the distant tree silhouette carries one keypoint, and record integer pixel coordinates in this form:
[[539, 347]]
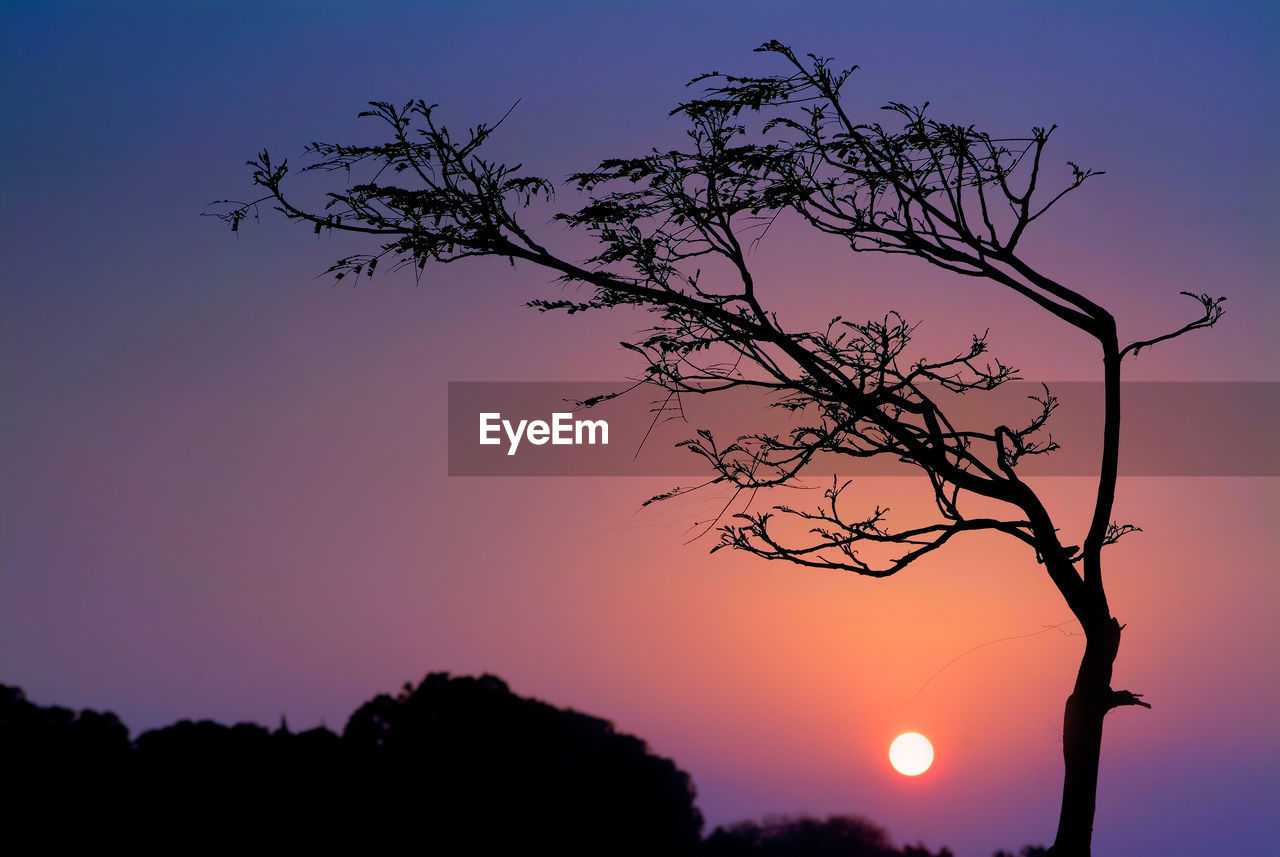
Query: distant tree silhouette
[[673, 230], [836, 836], [216, 787], [454, 766], [63, 775], [502, 772]]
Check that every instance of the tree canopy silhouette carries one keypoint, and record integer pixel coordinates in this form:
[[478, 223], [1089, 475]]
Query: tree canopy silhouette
[[836, 836], [455, 765], [452, 766], [564, 780], [673, 230]]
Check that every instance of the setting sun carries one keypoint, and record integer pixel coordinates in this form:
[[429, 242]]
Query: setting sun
[[911, 754]]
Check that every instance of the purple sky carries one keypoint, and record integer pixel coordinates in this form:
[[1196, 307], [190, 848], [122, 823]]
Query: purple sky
[[224, 489]]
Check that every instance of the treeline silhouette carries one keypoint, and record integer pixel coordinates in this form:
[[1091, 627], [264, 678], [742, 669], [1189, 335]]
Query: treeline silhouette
[[453, 766], [837, 836]]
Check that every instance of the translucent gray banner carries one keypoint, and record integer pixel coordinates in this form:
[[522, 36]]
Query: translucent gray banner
[[1167, 428]]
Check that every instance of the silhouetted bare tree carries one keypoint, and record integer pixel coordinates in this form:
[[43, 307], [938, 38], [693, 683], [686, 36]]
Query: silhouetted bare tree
[[950, 195]]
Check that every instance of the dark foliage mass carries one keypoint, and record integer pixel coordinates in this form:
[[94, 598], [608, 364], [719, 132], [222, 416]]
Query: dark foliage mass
[[837, 836], [453, 766]]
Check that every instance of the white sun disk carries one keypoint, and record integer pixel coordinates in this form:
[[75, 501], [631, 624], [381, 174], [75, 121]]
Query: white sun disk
[[911, 754]]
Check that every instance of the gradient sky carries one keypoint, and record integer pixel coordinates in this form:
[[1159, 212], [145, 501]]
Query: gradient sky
[[224, 489]]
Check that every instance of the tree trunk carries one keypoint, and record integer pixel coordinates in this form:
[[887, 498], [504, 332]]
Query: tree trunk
[[1088, 704]]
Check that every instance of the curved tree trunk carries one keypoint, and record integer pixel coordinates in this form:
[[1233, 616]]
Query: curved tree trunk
[[1082, 743], [1092, 696], [1086, 708]]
